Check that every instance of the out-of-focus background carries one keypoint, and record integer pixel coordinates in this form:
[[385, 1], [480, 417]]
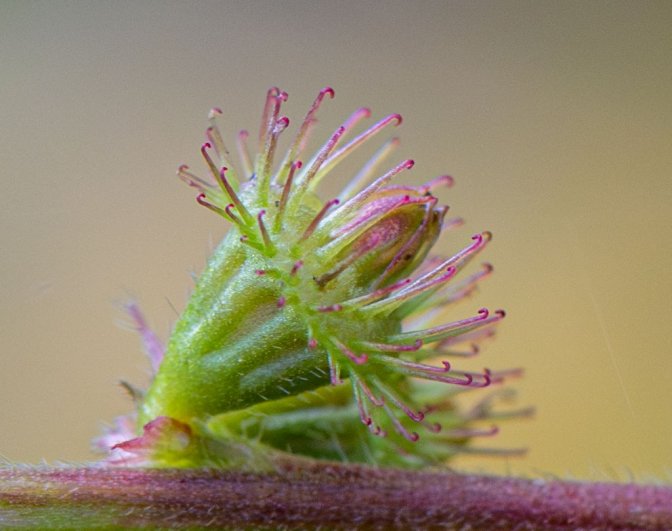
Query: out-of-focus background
[[555, 118]]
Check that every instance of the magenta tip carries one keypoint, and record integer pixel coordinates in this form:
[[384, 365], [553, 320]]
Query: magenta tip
[[448, 180], [297, 265], [328, 90], [366, 112]]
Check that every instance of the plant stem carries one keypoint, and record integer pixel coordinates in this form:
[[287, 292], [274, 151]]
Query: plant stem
[[331, 496]]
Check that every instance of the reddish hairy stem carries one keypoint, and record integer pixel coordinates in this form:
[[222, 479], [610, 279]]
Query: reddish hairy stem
[[329, 496]]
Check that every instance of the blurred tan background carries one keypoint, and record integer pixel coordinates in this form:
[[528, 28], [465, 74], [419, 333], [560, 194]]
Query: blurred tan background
[[554, 117]]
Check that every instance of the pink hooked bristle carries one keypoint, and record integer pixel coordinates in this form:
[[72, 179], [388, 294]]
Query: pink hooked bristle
[[192, 180], [200, 199], [360, 359], [354, 143], [264, 233], [271, 127], [210, 134], [304, 179], [399, 427], [286, 188], [356, 117], [377, 431], [363, 416], [443, 180], [472, 351], [410, 292], [334, 369], [318, 217], [423, 189], [358, 387], [474, 336], [215, 137], [272, 99], [229, 210], [367, 171], [436, 333], [437, 374], [460, 258], [330, 308], [353, 204], [339, 155], [302, 133], [415, 416], [375, 295], [295, 268], [215, 111], [467, 286], [433, 427], [281, 302], [467, 382], [417, 367], [211, 165], [382, 347], [378, 402], [230, 192]]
